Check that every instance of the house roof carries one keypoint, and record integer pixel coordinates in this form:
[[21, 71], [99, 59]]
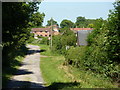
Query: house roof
[[77, 29], [40, 29], [82, 36], [53, 26]]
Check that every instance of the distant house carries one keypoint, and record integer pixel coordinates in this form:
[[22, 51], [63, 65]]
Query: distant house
[[45, 32], [81, 34]]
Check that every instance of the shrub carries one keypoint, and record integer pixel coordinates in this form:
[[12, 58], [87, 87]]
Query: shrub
[[44, 41], [75, 56], [60, 42], [103, 53]]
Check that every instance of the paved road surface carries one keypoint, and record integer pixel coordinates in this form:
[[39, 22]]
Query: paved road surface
[[29, 74]]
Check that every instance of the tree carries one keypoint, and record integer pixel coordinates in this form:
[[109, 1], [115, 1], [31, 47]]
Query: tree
[[37, 19], [60, 42], [114, 33], [53, 22], [103, 55], [15, 27], [80, 21], [66, 23], [90, 25]]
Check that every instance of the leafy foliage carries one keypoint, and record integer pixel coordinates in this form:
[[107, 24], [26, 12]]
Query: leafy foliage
[[51, 21], [60, 42], [44, 41], [102, 54], [83, 22], [75, 56], [66, 23], [15, 27], [37, 19]]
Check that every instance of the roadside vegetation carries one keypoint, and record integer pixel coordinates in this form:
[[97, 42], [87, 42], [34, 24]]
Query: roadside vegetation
[[97, 63], [57, 75]]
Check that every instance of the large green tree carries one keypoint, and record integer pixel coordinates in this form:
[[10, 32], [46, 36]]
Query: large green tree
[[66, 23], [15, 27], [51, 21], [37, 19], [80, 21]]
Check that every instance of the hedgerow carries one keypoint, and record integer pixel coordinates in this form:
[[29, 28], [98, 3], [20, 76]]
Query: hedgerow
[[102, 55]]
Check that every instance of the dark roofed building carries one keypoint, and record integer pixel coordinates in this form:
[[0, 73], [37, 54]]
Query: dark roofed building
[[82, 36]]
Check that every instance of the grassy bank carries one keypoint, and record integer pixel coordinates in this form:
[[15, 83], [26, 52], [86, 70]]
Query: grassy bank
[[59, 76]]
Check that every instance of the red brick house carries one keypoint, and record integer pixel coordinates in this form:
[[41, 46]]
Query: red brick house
[[45, 32]]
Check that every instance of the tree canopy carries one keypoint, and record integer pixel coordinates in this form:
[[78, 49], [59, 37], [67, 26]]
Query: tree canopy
[[51, 21], [82, 22], [15, 27], [37, 19], [66, 23]]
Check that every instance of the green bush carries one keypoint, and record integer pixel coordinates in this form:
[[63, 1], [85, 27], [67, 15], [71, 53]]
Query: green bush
[[40, 40], [44, 41], [103, 54], [60, 42], [75, 56]]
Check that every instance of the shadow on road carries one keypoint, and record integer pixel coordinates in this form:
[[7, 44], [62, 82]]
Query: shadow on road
[[24, 85], [61, 85], [23, 72], [35, 51]]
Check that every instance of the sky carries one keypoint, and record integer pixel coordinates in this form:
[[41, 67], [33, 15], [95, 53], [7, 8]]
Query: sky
[[78, 0], [70, 10]]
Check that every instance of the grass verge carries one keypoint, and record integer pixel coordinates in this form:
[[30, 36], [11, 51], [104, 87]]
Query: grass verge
[[59, 76]]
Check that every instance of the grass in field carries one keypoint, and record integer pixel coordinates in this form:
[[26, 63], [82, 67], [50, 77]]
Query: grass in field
[[52, 72], [47, 51], [54, 76]]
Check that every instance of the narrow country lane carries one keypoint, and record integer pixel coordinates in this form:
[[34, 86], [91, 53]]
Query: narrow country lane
[[29, 74]]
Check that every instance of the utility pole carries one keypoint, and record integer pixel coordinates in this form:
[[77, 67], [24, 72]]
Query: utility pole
[[51, 34]]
